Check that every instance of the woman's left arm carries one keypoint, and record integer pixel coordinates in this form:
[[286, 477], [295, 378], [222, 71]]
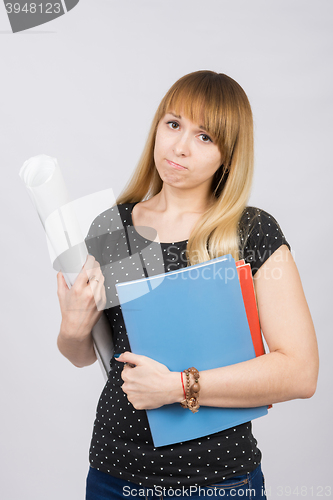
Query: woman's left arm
[[288, 371]]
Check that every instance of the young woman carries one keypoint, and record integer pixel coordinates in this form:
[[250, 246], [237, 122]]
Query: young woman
[[191, 186]]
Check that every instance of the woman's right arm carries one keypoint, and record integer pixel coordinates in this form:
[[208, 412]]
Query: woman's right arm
[[81, 307]]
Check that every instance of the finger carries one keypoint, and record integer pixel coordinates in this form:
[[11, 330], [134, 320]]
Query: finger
[[95, 273], [128, 366], [86, 271], [100, 295], [130, 357], [91, 265], [102, 303], [61, 282], [96, 283], [126, 371], [123, 388], [94, 280]]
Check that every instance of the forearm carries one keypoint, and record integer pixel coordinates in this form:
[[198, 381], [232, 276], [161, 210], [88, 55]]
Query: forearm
[[268, 379], [79, 349]]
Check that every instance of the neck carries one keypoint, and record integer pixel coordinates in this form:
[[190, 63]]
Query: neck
[[172, 200]]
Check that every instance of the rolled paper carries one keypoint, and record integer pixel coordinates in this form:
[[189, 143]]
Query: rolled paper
[[59, 217]]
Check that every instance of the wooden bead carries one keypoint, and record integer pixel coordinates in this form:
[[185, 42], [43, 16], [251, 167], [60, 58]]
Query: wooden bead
[[191, 400]]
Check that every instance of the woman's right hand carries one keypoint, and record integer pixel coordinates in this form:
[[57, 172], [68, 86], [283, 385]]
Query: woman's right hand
[[82, 304]]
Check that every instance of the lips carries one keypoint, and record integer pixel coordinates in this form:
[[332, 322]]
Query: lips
[[176, 165]]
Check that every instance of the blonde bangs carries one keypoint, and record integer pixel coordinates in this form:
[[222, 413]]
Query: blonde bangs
[[197, 100], [212, 101]]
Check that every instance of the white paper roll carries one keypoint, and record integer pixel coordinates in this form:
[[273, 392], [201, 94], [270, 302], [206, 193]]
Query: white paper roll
[[68, 252]]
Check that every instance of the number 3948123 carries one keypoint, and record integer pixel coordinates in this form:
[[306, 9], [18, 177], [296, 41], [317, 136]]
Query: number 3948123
[[33, 8]]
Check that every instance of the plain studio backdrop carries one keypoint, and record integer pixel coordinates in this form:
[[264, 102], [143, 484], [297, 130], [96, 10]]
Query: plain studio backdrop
[[83, 88]]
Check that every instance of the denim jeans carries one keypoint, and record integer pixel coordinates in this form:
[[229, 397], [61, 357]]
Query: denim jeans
[[102, 486]]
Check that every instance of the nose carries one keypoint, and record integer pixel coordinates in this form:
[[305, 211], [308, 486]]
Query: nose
[[182, 145]]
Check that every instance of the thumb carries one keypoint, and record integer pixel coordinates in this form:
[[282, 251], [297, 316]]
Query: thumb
[[131, 358], [62, 285]]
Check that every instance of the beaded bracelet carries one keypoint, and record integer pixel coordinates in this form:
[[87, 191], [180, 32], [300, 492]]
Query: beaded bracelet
[[191, 400]]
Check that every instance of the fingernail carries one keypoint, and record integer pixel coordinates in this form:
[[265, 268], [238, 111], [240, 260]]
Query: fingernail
[[116, 355]]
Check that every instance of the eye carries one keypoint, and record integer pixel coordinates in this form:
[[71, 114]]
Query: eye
[[173, 125], [205, 138]]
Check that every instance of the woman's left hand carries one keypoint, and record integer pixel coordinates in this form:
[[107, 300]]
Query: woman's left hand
[[149, 384]]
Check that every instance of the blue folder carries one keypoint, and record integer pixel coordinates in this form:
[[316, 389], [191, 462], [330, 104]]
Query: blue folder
[[191, 317]]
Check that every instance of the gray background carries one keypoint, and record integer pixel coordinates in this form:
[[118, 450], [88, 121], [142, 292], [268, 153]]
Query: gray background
[[84, 88]]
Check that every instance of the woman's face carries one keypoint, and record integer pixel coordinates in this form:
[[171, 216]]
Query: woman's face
[[185, 155]]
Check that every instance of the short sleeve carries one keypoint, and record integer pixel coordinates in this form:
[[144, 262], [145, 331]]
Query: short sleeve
[[104, 230], [260, 237]]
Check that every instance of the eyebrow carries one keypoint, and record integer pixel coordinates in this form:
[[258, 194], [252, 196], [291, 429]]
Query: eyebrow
[[173, 114], [201, 127]]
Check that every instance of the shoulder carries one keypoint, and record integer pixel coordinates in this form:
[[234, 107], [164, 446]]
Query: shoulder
[[257, 216], [260, 235], [255, 220], [111, 220], [107, 232]]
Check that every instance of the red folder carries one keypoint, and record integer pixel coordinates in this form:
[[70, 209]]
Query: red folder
[[250, 303]]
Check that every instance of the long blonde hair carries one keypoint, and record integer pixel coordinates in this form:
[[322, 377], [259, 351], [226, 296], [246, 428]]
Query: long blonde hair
[[218, 103]]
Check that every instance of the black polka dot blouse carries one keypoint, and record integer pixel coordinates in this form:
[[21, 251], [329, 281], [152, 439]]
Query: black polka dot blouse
[[121, 443]]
